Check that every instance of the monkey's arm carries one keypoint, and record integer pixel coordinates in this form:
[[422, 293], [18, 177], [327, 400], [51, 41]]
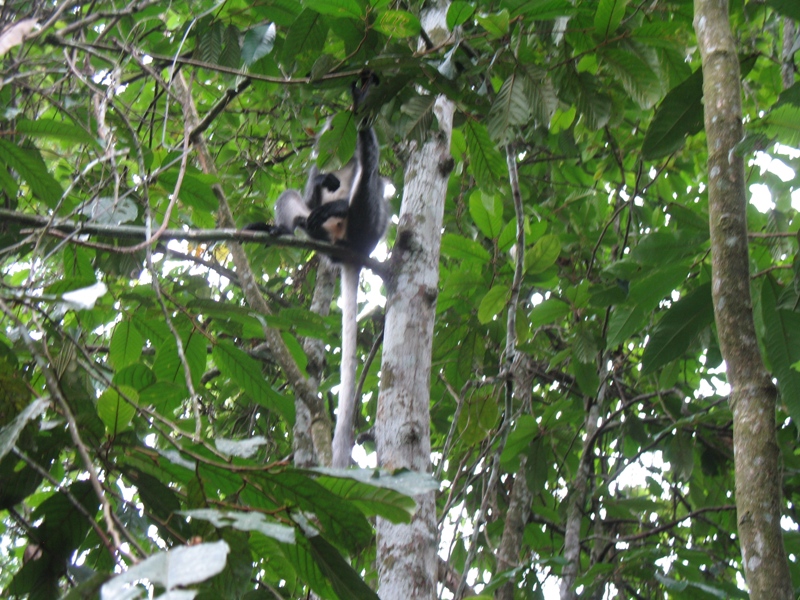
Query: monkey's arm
[[328, 222], [317, 184]]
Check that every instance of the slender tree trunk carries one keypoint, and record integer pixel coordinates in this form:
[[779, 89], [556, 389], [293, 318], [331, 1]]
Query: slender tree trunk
[[576, 501], [407, 553], [303, 443], [787, 56], [752, 400], [518, 365]]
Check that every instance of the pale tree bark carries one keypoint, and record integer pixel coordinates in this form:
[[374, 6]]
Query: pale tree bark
[[787, 55], [753, 396], [407, 552], [576, 501], [519, 503], [303, 442]]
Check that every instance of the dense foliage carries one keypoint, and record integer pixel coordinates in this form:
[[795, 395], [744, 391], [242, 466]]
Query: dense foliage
[[141, 410]]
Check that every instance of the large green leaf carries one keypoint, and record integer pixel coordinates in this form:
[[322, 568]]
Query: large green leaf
[[341, 575], [487, 212], [246, 372], [378, 494], [679, 114], [126, 345], [62, 131], [397, 23], [169, 365], [511, 107], [337, 8], [115, 411], [678, 328], [334, 517], [488, 165], [625, 321], [782, 343], [786, 7], [455, 246], [28, 163], [637, 76], [306, 36], [608, 16]]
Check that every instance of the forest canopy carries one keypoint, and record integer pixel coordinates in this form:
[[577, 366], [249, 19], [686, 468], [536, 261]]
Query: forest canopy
[[168, 381]]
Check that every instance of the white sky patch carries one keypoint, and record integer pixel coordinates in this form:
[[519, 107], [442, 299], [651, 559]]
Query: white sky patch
[[761, 197]]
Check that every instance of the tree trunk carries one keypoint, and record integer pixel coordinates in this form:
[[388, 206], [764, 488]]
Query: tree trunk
[[752, 400], [303, 443], [407, 553]]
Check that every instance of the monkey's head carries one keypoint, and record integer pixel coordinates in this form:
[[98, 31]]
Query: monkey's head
[[336, 227]]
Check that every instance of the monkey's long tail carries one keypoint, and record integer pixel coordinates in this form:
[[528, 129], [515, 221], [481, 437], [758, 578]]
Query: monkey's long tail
[[343, 436]]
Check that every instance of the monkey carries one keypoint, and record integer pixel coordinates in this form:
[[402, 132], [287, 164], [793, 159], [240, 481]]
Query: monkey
[[344, 207]]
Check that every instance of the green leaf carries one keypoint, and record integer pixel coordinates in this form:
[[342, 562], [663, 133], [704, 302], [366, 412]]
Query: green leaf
[[419, 113], [519, 438], [510, 108], [487, 164], [398, 24], [594, 104], [586, 376], [495, 24], [493, 303], [650, 290], [487, 212], [788, 8], [543, 255], [376, 493], [337, 143], [680, 454], [322, 66], [58, 130], [608, 16], [664, 247], [458, 247], [549, 311], [195, 189], [679, 326], [343, 578], [116, 412], [782, 124], [625, 321], [334, 517], [478, 417], [679, 114], [28, 163], [137, 376], [209, 41], [543, 10], [258, 42], [126, 345], [637, 76], [458, 12], [231, 55], [349, 9], [782, 343], [301, 560], [246, 372], [11, 432], [168, 366], [305, 37]]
